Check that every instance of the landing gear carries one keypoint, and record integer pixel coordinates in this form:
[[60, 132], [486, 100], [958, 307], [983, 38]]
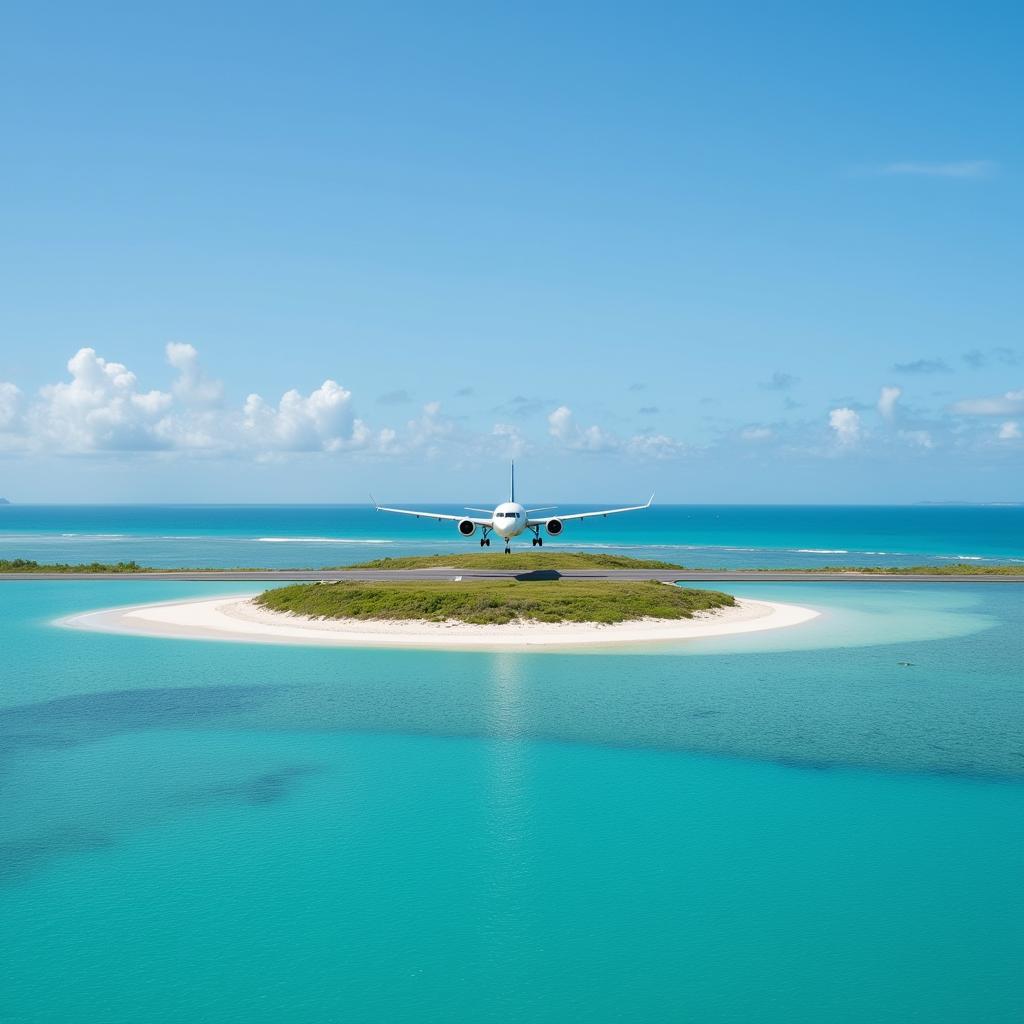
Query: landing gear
[[538, 540], [508, 550], [485, 541]]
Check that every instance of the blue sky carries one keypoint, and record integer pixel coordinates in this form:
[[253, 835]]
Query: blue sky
[[732, 253]]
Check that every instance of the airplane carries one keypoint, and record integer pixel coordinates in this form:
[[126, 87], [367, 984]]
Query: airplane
[[510, 519]]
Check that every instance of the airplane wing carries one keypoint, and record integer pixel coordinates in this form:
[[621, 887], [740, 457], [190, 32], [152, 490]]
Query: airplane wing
[[439, 516], [588, 515]]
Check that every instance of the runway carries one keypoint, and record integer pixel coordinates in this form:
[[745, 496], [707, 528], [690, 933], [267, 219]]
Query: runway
[[378, 575]]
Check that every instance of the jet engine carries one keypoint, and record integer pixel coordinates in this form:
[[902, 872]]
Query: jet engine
[[467, 527], [554, 527]]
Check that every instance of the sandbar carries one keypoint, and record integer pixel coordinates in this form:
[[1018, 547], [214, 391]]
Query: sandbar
[[238, 618]]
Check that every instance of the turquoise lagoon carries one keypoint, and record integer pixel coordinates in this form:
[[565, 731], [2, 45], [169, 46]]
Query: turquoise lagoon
[[820, 824]]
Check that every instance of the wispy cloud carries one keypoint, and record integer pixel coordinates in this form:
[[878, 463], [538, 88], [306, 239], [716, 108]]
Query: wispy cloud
[[654, 446], [918, 438], [779, 381], [1001, 354], [510, 435], [400, 397], [961, 169], [1008, 404], [522, 406], [921, 366]]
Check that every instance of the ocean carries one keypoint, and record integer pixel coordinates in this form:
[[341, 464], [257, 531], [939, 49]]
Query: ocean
[[714, 536], [824, 823]]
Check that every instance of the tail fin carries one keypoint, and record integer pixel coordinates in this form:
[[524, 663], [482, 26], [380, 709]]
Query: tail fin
[[513, 498]]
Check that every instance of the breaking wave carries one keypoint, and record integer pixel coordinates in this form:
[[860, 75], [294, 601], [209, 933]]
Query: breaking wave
[[322, 540]]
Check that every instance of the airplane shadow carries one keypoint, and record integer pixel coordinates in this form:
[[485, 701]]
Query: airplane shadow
[[538, 574]]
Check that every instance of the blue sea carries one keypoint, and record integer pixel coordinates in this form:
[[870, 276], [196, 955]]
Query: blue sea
[[818, 824], [700, 536]]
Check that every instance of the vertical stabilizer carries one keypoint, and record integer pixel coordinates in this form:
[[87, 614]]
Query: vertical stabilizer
[[513, 498]]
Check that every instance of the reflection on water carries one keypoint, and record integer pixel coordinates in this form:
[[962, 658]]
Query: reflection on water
[[503, 676], [506, 911]]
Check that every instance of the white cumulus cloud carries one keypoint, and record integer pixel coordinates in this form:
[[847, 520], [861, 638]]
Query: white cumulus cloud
[[846, 424], [1010, 431], [560, 423], [10, 405], [192, 387], [99, 409], [320, 421], [887, 401], [563, 428]]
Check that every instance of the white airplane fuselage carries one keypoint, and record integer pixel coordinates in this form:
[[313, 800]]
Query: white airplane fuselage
[[509, 519]]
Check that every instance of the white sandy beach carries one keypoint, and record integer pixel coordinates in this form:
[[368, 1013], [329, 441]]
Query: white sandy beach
[[239, 619]]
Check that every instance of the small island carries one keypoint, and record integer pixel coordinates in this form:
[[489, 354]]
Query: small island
[[442, 605], [547, 599]]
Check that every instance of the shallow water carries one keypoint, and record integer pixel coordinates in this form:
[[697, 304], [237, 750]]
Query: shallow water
[[821, 823]]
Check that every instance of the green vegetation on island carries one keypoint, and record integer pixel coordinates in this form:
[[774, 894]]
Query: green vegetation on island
[[953, 569], [495, 601], [28, 566]]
